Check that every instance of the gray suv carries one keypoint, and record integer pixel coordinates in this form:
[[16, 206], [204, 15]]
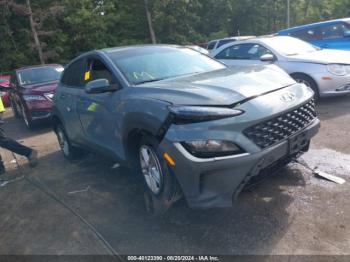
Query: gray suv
[[189, 124]]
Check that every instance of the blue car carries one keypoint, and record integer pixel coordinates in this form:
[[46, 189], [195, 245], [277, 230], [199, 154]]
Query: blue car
[[334, 34]]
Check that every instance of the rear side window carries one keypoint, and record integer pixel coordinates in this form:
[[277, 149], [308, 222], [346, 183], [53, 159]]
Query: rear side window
[[73, 75], [224, 42], [13, 79], [211, 45], [308, 34]]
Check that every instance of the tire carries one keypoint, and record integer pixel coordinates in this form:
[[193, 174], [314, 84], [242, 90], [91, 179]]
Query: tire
[[69, 152], [308, 81], [27, 121], [161, 186], [14, 109]]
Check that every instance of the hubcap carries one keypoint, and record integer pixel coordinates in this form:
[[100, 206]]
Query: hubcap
[[63, 142], [151, 169]]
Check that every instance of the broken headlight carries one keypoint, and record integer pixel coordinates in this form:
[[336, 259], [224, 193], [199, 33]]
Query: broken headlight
[[211, 148], [193, 114]]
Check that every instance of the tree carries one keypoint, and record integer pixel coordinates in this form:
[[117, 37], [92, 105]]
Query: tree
[[150, 23], [58, 30]]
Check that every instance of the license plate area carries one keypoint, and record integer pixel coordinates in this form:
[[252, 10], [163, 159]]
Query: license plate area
[[298, 142]]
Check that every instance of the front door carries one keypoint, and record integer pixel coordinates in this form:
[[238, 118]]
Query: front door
[[243, 54], [98, 112]]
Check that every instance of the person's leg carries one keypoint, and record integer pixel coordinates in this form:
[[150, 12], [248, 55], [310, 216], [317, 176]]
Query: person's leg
[[13, 145], [16, 147]]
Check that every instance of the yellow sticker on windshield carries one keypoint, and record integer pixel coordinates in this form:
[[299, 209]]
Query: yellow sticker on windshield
[[87, 75]]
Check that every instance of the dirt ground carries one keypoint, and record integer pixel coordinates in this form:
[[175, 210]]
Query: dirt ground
[[292, 212]]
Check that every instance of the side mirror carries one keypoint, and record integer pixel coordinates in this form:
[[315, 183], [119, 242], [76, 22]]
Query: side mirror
[[99, 86], [267, 58]]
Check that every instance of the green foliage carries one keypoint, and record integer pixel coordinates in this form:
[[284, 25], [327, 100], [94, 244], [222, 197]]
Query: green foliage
[[67, 28]]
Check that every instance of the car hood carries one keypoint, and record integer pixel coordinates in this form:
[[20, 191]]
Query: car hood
[[40, 88], [222, 87], [324, 56]]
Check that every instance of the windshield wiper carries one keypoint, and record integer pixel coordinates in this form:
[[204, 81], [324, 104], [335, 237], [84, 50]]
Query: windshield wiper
[[151, 80]]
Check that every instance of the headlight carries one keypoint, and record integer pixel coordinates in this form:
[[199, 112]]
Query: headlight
[[211, 148], [193, 114], [49, 95], [30, 98], [338, 69]]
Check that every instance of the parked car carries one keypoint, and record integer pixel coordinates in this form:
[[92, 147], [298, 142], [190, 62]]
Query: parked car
[[334, 34], [5, 83], [187, 123], [32, 90], [325, 71], [215, 44]]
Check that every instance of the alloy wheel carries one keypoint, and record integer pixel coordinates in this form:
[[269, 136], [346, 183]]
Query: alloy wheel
[[151, 169]]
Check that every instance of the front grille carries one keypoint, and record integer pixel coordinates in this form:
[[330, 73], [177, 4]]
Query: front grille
[[275, 130]]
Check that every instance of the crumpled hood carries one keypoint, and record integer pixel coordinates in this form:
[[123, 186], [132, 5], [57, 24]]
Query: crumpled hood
[[41, 88], [324, 56], [221, 87]]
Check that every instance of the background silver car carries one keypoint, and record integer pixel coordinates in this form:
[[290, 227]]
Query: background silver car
[[326, 71], [217, 43]]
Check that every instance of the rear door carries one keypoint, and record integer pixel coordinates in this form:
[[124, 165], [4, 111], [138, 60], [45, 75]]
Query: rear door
[[66, 96], [98, 113]]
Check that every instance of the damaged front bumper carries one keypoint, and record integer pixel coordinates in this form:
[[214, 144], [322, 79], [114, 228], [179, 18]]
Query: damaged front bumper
[[214, 182]]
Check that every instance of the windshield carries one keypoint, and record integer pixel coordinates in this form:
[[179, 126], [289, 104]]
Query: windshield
[[154, 63], [39, 75], [290, 46]]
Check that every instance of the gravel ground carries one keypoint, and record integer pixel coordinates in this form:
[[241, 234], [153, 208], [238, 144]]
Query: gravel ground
[[292, 212]]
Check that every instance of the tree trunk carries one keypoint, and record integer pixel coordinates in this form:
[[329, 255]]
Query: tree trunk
[[306, 10], [35, 33], [150, 26]]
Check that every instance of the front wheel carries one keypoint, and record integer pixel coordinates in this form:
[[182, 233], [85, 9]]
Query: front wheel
[[14, 109], [27, 121], [162, 188]]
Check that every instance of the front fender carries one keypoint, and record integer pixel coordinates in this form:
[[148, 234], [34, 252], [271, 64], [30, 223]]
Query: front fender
[[144, 115]]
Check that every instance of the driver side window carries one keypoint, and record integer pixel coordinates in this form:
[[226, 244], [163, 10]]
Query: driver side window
[[96, 69]]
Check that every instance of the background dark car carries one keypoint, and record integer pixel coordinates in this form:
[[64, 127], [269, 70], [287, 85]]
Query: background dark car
[[5, 83], [32, 90]]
